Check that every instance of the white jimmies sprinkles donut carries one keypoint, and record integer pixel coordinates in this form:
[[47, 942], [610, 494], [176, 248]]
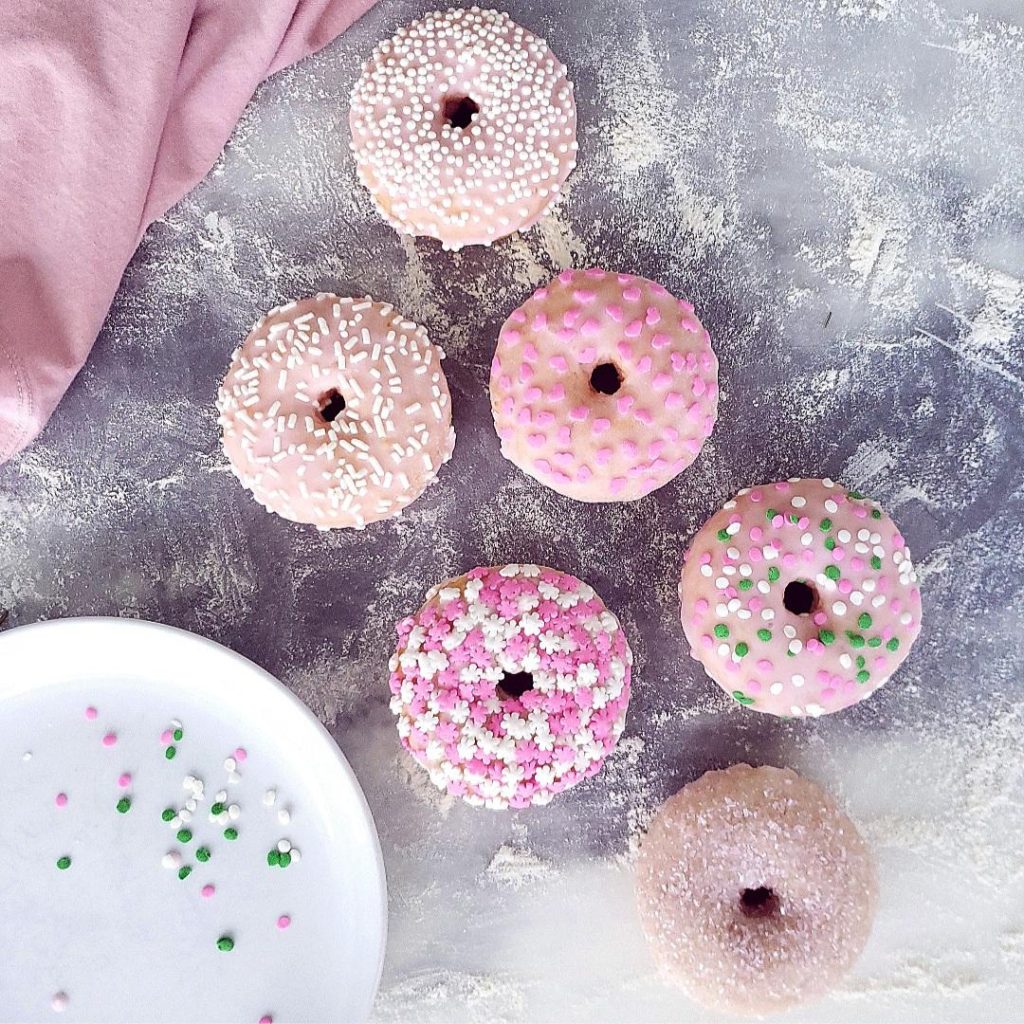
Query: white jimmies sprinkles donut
[[799, 597], [336, 412], [510, 684], [463, 127]]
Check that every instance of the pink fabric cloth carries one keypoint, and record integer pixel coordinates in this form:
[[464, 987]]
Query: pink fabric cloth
[[110, 111]]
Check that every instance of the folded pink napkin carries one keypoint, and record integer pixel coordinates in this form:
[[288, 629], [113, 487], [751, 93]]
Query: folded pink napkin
[[110, 111]]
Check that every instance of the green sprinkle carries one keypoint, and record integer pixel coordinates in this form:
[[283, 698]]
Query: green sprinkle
[[826, 636], [178, 735], [830, 543], [723, 534], [764, 634], [184, 872], [863, 675], [773, 574], [168, 813], [854, 494], [124, 805], [875, 641], [825, 525], [741, 697], [876, 513], [832, 572], [876, 562], [225, 943], [893, 644], [770, 514], [184, 835], [64, 863], [203, 854], [856, 640], [169, 753], [864, 620], [273, 858], [721, 630], [746, 584], [217, 808], [860, 661], [741, 649], [794, 518], [231, 833], [285, 859]]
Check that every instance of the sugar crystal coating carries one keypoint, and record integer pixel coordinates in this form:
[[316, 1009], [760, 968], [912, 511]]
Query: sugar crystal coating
[[463, 127], [336, 412], [754, 890], [510, 684]]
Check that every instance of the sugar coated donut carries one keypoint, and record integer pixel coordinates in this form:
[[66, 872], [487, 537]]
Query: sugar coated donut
[[336, 411], [463, 127], [603, 386], [755, 891], [510, 684], [799, 597]]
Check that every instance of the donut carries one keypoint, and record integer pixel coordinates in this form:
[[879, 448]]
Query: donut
[[799, 597], [463, 127], [755, 891], [510, 684], [336, 412], [603, 386]]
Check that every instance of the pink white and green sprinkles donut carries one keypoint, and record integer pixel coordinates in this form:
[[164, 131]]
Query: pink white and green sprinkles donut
[[800, 597], [510, 684]]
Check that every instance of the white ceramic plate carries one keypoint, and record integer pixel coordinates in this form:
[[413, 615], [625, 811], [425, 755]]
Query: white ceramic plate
[[118, 934]]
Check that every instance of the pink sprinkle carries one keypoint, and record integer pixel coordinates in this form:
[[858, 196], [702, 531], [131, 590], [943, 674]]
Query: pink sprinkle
[[110, 739], [661, 340], [624, 403], [166, 736], [631, 294], [124, 780], [590, 327], [61, 800], [661, 381], [558, 363], [601, 425], [615, 312], [207, 892], [283, 921], [653, 316], [633, 329], [511, 336], [266, 1019], [91, 713], [673, 400]]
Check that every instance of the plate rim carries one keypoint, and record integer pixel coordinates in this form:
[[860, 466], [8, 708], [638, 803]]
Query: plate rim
[[176, 634]]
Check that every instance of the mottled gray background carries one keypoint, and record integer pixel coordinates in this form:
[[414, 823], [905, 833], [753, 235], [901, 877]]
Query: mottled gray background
[[838, 186]]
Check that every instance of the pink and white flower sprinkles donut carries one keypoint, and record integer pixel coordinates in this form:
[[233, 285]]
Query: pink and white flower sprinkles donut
[[800, 597], [510, 684], [603, 386], [463, 127]]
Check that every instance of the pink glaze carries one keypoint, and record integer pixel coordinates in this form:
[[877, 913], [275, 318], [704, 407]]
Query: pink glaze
[[61, 800], [488, 745], [584, 442], [207, 892], [283, 921], [110, 739], [469, 180], [866, 606], [378, 453]]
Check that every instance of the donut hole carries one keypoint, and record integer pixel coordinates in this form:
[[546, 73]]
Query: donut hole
[[605, 378], [459, 111], [331, 405], [514, 684], [799, 597], [759, 902]]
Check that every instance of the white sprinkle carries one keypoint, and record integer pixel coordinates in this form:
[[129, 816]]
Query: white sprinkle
[[171, 860], [269, 797]]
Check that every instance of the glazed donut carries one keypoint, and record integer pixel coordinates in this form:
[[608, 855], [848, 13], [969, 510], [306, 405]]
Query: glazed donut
[[463, 127], [799, 597], [510, 684], [755, 891], [336, 411], [603, 386]]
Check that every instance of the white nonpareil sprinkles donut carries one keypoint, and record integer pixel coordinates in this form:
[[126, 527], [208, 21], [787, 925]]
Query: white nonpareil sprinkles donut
[[463, 127], [336, 412]]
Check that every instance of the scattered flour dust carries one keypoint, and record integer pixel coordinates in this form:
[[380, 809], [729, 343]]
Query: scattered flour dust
[[515, 866], [445, 995]]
